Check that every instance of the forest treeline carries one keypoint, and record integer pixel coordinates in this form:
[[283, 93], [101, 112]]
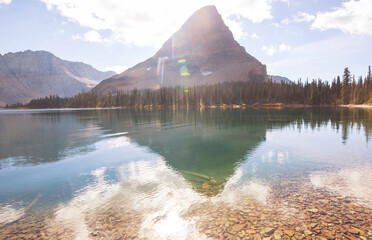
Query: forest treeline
[[342, 90]]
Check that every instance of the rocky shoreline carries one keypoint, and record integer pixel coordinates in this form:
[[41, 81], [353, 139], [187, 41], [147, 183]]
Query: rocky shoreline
[[295, 210]]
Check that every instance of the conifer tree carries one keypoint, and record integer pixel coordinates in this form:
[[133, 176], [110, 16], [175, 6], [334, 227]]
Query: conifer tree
[[338, 87], [345, 89], [369, 82]]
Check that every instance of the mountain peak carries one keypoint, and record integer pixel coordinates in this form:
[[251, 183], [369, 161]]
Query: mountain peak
[[205, 17], [204, 31], [205, 11], [202, 51]]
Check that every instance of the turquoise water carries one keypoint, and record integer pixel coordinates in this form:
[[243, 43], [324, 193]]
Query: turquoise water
[[64, 160]]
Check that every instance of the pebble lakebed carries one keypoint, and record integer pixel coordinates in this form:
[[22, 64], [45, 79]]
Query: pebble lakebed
[[295, 210]]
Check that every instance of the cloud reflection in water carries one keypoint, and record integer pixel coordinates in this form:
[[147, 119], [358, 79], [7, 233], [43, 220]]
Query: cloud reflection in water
[[158, 192], [349, 182], [10, 214]]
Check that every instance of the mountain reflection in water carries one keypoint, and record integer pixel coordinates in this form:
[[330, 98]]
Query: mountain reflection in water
[[164, 172]]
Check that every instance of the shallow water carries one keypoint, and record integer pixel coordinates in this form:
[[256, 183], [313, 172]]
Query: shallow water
[[185, 174]]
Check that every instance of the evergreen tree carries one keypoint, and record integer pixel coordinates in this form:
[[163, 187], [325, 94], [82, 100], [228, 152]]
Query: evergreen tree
[[369, 84], [314, 98], [338, 87], [345, 90]]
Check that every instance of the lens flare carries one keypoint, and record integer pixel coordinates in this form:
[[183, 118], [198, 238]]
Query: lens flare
[[184, 72], [158, 68], [162, 72], [181, 61]]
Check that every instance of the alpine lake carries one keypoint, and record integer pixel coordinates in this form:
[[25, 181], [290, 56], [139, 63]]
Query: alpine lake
[[292, 173]]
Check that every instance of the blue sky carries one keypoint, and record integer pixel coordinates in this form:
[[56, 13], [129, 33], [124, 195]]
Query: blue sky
[[296, 39]]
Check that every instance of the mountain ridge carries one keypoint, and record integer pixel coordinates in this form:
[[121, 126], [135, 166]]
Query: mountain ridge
[[278, 79], [27, 75]]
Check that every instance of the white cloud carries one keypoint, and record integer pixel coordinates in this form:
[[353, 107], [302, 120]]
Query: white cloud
[[352, 17], [286, 21], [288, 2], [5, 2], [150, 23], [284, 47], [303, 17], [300, 17], [90, 36], [117, 69], [235, 27], [271, 50], [254, 35], [275, 24]]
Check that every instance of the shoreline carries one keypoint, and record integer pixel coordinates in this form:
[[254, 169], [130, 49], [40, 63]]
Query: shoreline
[[357, 106], [222, 106]]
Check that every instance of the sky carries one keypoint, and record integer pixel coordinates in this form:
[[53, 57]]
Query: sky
[[293, 38]]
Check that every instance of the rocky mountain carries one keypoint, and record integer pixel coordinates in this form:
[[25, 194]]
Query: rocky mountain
[[278, 79], [202, 51], [28, 75]]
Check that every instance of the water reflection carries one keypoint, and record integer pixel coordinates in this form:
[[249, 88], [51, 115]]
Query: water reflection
[[32, 137], [143, 188], [126, 173], [348, 182], [205, 146], [9, 214]]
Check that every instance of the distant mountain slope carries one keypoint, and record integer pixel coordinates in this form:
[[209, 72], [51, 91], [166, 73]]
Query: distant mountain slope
[[28, 75], [202, 51], [278, 79]]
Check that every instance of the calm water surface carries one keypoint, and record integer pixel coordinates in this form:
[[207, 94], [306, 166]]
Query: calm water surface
[[68, 172]]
